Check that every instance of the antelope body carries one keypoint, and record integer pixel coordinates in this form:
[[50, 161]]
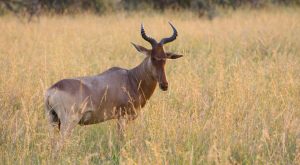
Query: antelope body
[[114, 94]]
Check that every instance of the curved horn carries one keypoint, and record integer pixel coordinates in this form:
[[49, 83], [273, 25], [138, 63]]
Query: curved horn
[[149, 39], [170, 39]]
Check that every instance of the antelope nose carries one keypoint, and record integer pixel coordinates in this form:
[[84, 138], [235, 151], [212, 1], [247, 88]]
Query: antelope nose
[[163, 86]]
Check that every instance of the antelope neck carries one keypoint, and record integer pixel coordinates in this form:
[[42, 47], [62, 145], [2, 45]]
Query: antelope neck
[[142, 78]]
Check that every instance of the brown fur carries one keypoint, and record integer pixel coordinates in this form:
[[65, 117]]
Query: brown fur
[[114, 94]]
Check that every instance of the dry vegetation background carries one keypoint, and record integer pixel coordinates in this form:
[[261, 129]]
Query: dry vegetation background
[[233, 97]]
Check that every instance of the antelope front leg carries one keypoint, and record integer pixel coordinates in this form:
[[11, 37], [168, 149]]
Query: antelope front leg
[[122, 122]]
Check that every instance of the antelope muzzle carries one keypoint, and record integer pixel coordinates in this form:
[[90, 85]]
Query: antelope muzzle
[[163, 86]]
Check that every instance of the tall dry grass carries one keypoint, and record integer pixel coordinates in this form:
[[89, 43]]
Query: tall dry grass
[[234, 97]]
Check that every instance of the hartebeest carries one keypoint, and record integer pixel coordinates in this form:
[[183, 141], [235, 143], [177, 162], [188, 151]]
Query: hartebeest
[[114, 94]]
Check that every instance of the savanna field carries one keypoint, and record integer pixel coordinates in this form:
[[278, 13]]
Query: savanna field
[[234, 98]]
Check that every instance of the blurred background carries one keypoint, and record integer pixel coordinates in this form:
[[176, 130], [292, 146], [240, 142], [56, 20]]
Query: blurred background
[[207, 8]]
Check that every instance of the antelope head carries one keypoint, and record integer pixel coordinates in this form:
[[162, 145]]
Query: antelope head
[[158, 56]]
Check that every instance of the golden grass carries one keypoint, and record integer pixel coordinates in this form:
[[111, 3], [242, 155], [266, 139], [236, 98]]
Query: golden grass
[[233, 99]]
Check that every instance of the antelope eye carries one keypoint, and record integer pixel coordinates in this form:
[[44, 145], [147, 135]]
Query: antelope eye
[[155, 59]]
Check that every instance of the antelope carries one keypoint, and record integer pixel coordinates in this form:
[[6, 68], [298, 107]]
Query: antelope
[[116, 93]]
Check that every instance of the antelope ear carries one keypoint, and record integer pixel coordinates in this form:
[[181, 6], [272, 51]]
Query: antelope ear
[[173, 55], [141, 49]]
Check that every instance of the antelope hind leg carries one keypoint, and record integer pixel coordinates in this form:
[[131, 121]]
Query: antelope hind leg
[[66, 128]]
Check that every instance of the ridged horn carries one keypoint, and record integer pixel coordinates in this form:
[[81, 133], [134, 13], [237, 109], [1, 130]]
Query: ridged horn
[[170, 39], [149, 39]]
